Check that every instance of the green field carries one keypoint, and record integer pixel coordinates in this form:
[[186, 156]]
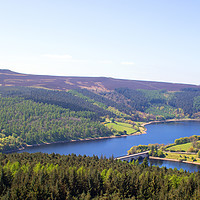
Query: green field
[[119, 126], [180, 147], [186, 157]]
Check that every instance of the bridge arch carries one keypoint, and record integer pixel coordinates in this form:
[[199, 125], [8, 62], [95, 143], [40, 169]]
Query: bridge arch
[[132, 157]]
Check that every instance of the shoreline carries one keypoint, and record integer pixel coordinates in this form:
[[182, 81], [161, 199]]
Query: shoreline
[[173, 160], [144, 131], [168, 121], [70, 141]]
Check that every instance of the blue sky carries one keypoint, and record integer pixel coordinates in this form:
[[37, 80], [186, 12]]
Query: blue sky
[[132, 39]]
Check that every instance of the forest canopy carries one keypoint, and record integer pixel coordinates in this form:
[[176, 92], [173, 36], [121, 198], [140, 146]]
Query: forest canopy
[[54, 176]]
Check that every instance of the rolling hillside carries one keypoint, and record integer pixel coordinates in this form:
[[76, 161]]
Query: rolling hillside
[[37, 109], [98, 84]]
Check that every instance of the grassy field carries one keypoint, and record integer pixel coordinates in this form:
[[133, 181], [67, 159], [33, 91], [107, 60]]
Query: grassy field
[[180, 147], [186, 157], [119, 126]]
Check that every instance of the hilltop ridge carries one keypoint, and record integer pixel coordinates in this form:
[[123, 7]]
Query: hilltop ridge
[[98, 84]]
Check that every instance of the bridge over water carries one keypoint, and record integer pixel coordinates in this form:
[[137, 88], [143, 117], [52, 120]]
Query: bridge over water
[[133, 156]]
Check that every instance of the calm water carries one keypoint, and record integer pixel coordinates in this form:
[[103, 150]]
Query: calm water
[[163, 133], [178, 165]]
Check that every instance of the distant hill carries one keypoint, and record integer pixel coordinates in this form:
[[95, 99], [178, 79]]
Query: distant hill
[[98, 84], [58, 108]]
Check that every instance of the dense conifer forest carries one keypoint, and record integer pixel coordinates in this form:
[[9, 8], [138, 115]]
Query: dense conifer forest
[[54, 176], [25, 122], [30, 116]]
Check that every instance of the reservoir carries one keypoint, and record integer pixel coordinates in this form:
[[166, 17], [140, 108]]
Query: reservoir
[[161, 133]]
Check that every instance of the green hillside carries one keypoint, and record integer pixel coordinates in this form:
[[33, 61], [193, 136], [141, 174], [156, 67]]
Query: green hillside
[[30, 116], [25, 122]]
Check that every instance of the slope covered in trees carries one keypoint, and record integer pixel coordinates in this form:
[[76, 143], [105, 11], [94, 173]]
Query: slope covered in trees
[[103, 100], [32, 116], [25, 122], [185, 103], [54, 97], [188, 100], [52, 176]]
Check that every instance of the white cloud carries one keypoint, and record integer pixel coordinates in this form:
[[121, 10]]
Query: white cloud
[[68, 58], [55, 56], [63, 58], [105, 62], [127, 63]]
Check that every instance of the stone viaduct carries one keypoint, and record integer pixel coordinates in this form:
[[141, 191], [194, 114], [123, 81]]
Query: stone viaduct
[[133, 156]]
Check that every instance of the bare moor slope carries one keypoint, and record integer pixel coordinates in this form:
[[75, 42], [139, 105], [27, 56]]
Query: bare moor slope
[[99, 84]]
